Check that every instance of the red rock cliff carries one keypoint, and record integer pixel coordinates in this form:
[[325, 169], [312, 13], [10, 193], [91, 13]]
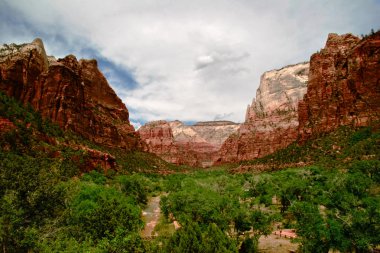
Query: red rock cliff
[[195, 145], [271, 121], [159, 139], [72, 93], [344, 85]]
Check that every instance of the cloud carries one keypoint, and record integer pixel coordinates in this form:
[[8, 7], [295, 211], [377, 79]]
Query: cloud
[[203, 61], [223, 116], [186, 60]]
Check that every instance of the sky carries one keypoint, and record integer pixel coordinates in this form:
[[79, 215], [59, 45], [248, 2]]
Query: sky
[[188, 60]]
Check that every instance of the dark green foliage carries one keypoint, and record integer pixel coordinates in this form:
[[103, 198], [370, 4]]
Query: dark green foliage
[[188, 239], [202, 199], [217, 200], [311, 227], [242, 222], [98, 212], [30, 197], [122, 242], [94, 176], [370, 168], [191, 239], [134, 186], [342, 217], [360, 135], [249, 245]]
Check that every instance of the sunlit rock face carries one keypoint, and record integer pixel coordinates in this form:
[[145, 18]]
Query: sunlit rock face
[[344, 85], [195, 145], [72, 93], [271, 121]]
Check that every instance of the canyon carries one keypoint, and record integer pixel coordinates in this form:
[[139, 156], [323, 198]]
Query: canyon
[[271, 123], [339, 86]]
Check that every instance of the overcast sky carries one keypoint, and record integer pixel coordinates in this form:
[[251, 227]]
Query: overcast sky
[[191, 60]]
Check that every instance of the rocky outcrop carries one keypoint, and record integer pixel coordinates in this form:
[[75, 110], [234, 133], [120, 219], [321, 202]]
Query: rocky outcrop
[[195, 145], [271, 120], [344, 85], [159, 140], [94, 159], [72, 93], [6, 125]]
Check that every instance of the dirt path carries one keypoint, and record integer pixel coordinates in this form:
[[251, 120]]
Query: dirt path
[[276, 244], [151, 214]]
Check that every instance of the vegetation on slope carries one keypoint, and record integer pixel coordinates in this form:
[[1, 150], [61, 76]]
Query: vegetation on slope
[[48, 204], [337, 149]]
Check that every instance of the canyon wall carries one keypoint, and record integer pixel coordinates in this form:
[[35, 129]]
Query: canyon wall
[[344, 85], [341, 86], [271, 121], [195, 145], [72, 93]]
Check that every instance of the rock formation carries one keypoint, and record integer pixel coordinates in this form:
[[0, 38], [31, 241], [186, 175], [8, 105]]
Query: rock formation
[[271, 120], [344, 85], [72, 93], [6, 125], [158, 136], [95, 159], [195, 145]]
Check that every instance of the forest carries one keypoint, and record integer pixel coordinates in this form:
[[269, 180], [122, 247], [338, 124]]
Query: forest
[[48, 204]]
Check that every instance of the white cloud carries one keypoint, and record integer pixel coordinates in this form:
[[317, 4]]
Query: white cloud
[[193, 60], [203, 61]]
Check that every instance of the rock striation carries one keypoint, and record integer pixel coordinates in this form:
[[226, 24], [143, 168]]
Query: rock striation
[[344, 85], [72, 93], [271, 121], [195, 145], [159, 139]]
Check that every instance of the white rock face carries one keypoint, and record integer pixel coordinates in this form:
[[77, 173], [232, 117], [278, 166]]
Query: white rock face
[[212, 132], [279, 90], [7, 51]]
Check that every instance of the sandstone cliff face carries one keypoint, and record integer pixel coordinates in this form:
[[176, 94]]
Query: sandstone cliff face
[[72, 93], [344, 85], [195, 145], [159, 140], [271, 120]]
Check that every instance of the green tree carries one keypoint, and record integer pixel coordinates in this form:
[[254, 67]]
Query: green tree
[[311, 228], [99, 212], [188, 239], [134, 186], [215, 241], [249, 245], [191, 239]]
